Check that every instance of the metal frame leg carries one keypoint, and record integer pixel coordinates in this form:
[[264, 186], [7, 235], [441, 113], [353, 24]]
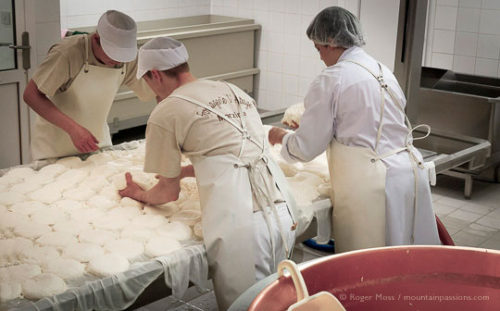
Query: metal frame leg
[[466, 177]]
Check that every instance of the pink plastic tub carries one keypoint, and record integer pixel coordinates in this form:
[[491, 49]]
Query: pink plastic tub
[[398, 278]]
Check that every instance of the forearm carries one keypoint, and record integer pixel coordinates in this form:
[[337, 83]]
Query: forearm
[[45, 108]]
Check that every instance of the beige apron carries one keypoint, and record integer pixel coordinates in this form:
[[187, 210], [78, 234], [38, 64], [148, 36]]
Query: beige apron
[[225, 185], [358, 179], [87, 101]]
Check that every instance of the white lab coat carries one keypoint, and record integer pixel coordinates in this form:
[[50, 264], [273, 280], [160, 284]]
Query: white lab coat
[[343, 103]]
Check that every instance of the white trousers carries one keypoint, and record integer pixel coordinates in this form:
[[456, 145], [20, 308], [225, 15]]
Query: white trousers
[[264, 264]]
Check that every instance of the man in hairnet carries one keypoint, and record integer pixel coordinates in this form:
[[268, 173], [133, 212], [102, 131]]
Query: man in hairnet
[[248, 228], [354, 110], [73, 88]]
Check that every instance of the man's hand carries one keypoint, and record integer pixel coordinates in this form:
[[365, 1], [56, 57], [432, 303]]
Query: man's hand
[[276, 135], [292, 125], [83, 139], [133, 190]]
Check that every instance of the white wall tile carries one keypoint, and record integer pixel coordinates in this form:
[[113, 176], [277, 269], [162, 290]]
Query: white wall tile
[[275, 62], [292, 44], [448, 2], [446, 17], [470, 3], [327, 3], [488, 46], [468, 19], [292, 26], [290, 84], [466, 43], [490, 22], [293, 6], [464, 64], [444, 41], [277, 6], [291, 64], [275, 99], [439, 60], [486, 67], [491, 4], [261, 5], [275, 81], [310, 7], [304, 84]]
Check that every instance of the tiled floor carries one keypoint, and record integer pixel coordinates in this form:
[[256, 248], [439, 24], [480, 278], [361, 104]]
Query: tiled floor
[[474, 222]]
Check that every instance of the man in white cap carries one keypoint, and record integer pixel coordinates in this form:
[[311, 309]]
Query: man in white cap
[[247, 218], [73, 88]]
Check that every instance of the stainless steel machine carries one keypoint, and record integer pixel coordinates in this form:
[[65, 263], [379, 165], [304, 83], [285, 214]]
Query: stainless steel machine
[[462, 110]]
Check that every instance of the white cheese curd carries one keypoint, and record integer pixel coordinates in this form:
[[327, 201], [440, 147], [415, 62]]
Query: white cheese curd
[[49, 216], [72, 227], [160, 246], [68, 205], [37, 254], [140, 234], [107, 265], [18, 174], [176, 230], [188, 217], [130, 202], [130, 212], [9, 291], [31, 230], [25, 187], [27, 207], [79, 194], [52, 170], [71, 162], [46, 194], [87, 214], [73, 176], [56, 239], [111, 222], [198, 230], [83, 252], [22, 272], [167, 209], [43, 285], [11, 197], [127, 248], [149, 221], [64, 268], [95, 183], [101, 202], [97, 236]]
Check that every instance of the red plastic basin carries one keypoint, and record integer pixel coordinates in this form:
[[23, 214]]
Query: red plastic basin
[[398, 278]]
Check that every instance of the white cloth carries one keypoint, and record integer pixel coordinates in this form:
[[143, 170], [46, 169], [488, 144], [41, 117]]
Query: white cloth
[[264, 264], [343, 102]]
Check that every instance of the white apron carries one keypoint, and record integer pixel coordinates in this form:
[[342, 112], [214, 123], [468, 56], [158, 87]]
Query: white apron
[[358, 178], [225, 184], [87, 101]]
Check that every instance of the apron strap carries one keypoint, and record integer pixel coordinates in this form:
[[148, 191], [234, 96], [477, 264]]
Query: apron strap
[[243, 131], [86, 64]]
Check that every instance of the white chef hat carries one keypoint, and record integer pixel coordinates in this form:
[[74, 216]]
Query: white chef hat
[[118, 36], [161, 53]]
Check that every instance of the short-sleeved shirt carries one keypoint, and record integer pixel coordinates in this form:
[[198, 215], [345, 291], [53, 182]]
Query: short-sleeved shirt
[[176, 126], [65, 60]]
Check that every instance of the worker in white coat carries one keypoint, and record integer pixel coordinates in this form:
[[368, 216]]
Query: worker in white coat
[[73, 88], [247, 214], [354, 110]]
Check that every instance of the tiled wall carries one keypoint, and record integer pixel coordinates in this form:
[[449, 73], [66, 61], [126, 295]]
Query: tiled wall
[[464, 35], [77, 13], [287, 58], [47, 27]]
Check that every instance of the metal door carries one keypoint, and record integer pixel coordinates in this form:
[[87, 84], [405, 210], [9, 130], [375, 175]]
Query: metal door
[[14, 65]]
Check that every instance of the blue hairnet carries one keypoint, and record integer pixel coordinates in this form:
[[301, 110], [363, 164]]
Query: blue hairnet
[[337, 27]]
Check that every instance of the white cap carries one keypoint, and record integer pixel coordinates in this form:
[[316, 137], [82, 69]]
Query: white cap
[[161, 53], [118, 35]]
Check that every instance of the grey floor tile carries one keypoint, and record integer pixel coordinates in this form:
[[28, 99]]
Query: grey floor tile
[[491, 244], [205, 302]]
